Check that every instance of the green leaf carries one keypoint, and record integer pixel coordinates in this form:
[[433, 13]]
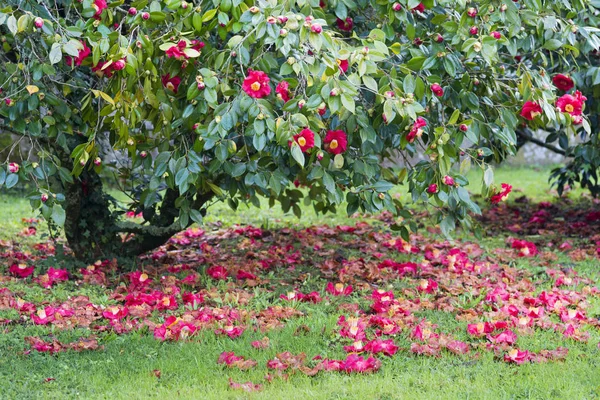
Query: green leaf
[[55, 53], [297, 154], [552, 44], [58, 215], [11, 180]]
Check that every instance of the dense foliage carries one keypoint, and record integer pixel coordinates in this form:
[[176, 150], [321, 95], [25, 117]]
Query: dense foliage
[[185, 103]]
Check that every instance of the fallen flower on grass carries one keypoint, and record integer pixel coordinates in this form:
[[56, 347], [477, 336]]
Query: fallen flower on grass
[[247, 387], [517, 356], [339, 289]]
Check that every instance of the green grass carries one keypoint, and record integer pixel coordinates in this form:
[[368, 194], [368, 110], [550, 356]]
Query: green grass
[[124, 368]]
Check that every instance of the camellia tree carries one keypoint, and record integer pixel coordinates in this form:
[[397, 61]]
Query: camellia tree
[[181, 104]]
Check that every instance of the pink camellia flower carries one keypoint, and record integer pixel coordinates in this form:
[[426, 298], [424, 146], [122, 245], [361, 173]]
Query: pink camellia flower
[[139, 279], [427, 286], [502, 195], [13, 168], [115, 313], [165, 302], [43, 316], [433, 188], [563, 82], [336, 142], [231, 331], [176, 52], [21, 270], [283, 91], [58, 275], [437, 90], [416, 129], [448, 180], [420, 8], [496, 35], [525, 248], [243, 275], [339, 289], [119, 64], [256, 84], [356, 363], [480, 329], [305, 139], [217, 272], [99, 6], [508, 337], [457, 347], [343, 65], [387, 347], [192, 300], [572, 104], [171, 82], [345, 25], [316, 28], [83, 54], [531, 110], [517, 356]]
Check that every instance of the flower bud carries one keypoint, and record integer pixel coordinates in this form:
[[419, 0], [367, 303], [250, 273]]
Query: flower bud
[[145, 16], [38, 22], [44, 197], [132, 11], [97, 161]]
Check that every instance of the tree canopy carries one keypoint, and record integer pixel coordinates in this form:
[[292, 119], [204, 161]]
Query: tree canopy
[[183, 103]]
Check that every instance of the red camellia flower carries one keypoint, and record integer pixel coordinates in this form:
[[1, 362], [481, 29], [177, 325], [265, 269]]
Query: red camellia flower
[[99, 6], [343, 64], [502, 195], [517, 356], [21, 270], [419, 8], [531, 110], [339, 289], [345, 25], [58, 275], [525, 248], [336, 142], [356, 363], [572, 104], [256, 84], [416, 130], [563, 82], [283, 91], [437, 90], [171, 82], [217, 272], [427, 286], [43, 316], [176, 53], [305, 139], [115, 313], [83, 54]]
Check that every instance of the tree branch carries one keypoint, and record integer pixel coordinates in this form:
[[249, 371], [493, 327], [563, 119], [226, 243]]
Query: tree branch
[[530, 138]]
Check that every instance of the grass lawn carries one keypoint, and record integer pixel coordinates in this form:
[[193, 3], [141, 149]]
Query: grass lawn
[[136, 365]]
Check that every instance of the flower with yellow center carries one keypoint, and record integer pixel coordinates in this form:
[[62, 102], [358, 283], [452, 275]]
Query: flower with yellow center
[[569, 108], [170, 86], [302, 142], [333, 144], [255, 86]]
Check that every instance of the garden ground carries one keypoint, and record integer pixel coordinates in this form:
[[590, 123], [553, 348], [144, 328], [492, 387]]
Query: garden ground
[[349, 310]]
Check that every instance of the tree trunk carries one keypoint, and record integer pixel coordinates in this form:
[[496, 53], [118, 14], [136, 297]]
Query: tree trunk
[[94, 231]]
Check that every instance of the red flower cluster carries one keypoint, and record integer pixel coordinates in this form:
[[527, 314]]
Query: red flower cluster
[[345, 25], [99, 6]]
